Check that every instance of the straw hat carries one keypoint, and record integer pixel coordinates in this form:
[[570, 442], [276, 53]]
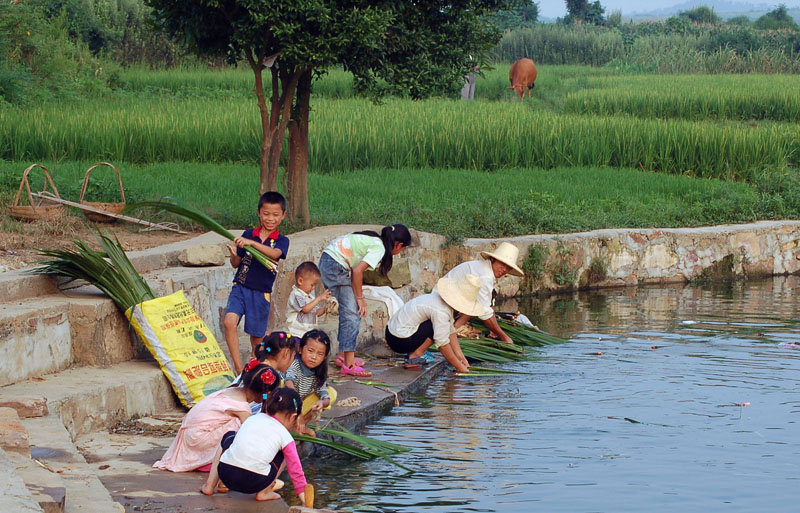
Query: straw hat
[[461, 295], [508, 254]]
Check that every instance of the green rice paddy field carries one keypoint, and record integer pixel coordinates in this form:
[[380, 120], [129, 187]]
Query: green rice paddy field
[[593, 148]]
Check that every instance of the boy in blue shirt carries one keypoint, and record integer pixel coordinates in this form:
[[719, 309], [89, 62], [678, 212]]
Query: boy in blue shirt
[[252, 285]]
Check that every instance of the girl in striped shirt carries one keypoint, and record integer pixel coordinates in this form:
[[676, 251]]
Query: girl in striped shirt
[[308, 375]]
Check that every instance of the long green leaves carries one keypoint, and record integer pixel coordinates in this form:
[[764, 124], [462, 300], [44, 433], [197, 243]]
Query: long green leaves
[[371, 447], [206, 221], [495, 351], [109, 270], [523, 335]]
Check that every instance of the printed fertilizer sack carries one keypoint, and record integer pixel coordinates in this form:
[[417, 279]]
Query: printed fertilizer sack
[[183, 345]]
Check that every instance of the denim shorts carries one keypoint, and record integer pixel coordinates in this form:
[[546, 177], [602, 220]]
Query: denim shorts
[[251, 304]]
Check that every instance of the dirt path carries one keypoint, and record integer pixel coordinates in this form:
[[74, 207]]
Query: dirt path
[[20, 241]]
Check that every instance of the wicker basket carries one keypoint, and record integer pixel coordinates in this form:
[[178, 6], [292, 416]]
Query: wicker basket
[[35, 210], [113, 208]]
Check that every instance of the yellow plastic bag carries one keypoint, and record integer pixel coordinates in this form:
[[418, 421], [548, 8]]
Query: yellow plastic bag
[[183, 345]]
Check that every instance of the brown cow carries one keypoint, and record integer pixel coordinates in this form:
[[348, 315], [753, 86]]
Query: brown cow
[[522, 75]]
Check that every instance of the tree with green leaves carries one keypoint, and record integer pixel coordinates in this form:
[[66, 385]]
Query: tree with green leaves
[[701, 14], [581, 12], [523, 15], [411, 48], [776, 19]]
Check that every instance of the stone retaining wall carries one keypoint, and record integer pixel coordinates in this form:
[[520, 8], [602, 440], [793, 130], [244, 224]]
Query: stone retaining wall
[[621, 257], [600, 258]]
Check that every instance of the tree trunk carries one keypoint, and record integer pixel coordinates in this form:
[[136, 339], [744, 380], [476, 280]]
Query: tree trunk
[[288, 82], [298, 153], [274, 120], [266, 124]]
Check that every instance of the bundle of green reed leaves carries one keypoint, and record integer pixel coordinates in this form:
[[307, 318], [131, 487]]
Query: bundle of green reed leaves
[[206, 221], [522, 335], [109, 270], [489, 350], [371, 448]]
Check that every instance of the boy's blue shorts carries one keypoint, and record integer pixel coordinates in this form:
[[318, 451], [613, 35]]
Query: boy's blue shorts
[[251, 304]]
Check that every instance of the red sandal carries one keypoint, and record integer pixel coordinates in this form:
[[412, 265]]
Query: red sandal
[[355, 370], [340, 361]]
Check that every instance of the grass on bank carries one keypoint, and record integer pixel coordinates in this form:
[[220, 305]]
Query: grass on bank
[[455, 203]]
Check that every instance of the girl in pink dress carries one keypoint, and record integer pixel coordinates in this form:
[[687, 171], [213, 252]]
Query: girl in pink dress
[[215, 415]]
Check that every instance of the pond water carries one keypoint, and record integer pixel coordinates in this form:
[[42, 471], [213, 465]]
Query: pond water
[[693, 405]]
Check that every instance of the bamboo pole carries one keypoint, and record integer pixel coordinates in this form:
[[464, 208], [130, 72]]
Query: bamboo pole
[[88, 208]]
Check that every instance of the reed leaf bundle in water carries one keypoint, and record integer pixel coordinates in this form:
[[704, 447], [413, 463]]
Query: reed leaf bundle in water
[[488, 350], [489, 370], [372, 447], [523, 335], [205, 221], [108, 270]]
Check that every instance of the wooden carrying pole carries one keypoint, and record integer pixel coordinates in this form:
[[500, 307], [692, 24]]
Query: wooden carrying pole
[[105, 212]]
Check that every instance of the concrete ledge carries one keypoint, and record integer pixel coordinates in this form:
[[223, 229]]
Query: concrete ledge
[[100, 334], [34, 338], [45, 485], [21, 284], [13, 436], [91, 399], [153, 259], [650, 255], [52, 446], [14, 496]]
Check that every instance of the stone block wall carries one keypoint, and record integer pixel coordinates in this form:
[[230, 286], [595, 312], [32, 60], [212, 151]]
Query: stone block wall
[[601, 258]]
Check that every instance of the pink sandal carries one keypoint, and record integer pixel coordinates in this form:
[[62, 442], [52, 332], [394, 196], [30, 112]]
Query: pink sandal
[[355, 370], [340, 362]]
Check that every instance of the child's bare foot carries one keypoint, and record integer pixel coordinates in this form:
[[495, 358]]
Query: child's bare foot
[[206, 490], [221, 488], [267, 495]]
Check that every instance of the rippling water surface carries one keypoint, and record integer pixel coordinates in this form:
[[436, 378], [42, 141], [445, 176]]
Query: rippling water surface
[[705, 421]]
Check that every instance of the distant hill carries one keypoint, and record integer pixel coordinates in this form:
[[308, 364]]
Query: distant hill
[[724, 8]]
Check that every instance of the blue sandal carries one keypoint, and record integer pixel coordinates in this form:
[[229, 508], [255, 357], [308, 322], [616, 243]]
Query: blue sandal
[[416, 361]]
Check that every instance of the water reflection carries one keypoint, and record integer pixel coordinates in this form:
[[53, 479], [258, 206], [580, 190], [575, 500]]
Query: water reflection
[[668, 398]]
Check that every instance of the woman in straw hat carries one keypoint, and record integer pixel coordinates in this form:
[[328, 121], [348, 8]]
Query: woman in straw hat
[[428, 320], [491, 267]]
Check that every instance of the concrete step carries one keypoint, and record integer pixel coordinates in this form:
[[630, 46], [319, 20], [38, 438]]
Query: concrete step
[[34, 338], [87, 399], [45, 334], [44, 484], [14, 495], [51, 445], [45, 487], [22, 284]]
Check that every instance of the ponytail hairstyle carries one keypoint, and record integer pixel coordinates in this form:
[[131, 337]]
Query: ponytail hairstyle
[[321, 371], [274, 343], [260, 379], [284, 400], [389, 235]]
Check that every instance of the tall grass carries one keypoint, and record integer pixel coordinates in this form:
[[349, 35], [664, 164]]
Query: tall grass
[[652, 48], [559, 44], [211, 82], [648, 57], [721, 97], [356, 134], [490, 136]]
